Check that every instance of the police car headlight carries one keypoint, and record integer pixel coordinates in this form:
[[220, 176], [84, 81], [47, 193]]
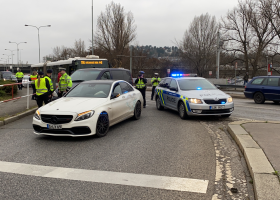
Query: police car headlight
[[37, 115], [84, 115], [196, 101], [229, 100]]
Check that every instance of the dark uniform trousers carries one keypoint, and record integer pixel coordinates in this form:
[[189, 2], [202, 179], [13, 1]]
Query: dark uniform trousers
[[19, 85], [153, 92], [34, 92], [143, 92], [42, 98]]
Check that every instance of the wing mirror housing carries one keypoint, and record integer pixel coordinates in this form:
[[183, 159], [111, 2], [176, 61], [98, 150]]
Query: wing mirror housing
[[115, 95]]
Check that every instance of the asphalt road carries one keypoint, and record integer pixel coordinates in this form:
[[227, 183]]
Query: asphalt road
[[159, 145]]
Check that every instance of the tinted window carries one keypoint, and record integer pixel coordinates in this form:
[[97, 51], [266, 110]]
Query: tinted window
[[85, 75], [91, 90], [273, 81], [117, 89], [195, 84], [117, 75], [127, 76], [126, 87], [167, 82], [173, 84], [257, 81], [105, 75]]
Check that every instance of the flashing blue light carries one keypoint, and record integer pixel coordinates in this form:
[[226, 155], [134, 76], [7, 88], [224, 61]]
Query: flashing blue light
[[177, 74], [199, 88], [173, 74], [223, 102], [181, 74]]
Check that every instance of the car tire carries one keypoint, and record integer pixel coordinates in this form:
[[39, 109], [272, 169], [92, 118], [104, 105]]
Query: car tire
[[225, 116], [182, 110], [158, 104], [137, 110], [102, 125], [276, 102], [259, 98]]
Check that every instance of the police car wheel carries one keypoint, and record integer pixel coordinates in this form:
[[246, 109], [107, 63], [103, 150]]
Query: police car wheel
[[159, 106], [102, 126], [182, 111], [137, 110]]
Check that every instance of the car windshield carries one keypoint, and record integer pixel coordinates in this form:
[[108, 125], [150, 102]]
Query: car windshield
[[85, 75], [91, 90], [195, 84]]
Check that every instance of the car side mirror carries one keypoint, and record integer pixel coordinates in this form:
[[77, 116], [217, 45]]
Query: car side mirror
[[217, 86], [115, 95], [173, 89]]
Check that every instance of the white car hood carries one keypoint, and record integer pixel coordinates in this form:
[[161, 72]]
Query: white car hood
[[73, 104], [204, 94]]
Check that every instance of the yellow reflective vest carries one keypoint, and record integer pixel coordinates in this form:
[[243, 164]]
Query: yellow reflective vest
[[19, 75], [65, 82], [33, 78], [156, 82], [51, 84], [140, 84], [42, 89]]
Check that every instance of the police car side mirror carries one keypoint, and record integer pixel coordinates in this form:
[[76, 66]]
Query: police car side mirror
[[115, 95], [173, 89]]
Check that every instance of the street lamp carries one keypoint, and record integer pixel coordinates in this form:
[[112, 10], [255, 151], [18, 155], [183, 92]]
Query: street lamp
[[11, 54], [38, 28], [17, 49]]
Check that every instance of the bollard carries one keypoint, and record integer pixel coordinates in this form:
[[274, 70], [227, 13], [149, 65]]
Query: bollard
[[28, 95]]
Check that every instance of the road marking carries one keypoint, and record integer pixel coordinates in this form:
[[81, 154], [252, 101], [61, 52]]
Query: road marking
[[140, 180], [239, 105]]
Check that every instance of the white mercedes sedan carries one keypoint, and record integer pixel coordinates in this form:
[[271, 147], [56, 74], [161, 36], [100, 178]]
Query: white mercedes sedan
[[90, 108]]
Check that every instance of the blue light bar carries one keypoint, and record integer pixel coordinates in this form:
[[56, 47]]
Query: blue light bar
[[199, 88], [173, 74]]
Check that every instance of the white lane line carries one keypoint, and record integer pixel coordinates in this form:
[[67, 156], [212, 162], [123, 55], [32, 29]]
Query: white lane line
[[140, 180], [239, 105]]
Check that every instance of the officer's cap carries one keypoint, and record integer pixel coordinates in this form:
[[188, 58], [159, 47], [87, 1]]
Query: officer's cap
[[40, 73], [141, 72], [49, 71], [156, 74], [61, 68]]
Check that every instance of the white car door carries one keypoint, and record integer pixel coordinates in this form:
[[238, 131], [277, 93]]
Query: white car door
[[130, 99], [118, 105]]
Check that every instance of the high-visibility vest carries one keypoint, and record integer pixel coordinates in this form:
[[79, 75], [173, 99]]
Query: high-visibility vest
[[65, 82], [42, 89], [155, 83], [140, 84], [33, 78], [50, 81], [19, 75]]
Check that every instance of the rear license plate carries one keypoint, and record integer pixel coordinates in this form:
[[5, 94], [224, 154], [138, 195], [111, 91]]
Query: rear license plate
[[216, 107], [51, 126]]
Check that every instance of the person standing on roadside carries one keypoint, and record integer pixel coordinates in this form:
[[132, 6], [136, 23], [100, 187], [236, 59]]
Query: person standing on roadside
[[49, 75], [155, 81], [65, 82], [33, 78], [246, 78], [43, 90], [19, 76], [141, 86]]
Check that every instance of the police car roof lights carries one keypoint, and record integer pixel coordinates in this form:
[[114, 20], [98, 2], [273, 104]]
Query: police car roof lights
[[183, 75]]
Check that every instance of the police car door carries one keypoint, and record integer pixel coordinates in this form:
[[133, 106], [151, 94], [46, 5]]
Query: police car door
[[173, 94], [167, 93]]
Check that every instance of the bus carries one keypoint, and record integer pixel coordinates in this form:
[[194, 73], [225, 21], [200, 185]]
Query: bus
[[71, 65]]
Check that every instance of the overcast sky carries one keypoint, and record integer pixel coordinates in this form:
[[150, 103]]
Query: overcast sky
[[159, 22]]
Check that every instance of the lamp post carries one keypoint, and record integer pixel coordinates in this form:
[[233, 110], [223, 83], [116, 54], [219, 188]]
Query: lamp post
[[38, 28], [17, 48], [20, 61], [92, 26], [11, 54]]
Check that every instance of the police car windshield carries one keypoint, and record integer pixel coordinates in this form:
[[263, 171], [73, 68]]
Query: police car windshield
[[85, 75], [91, 90], [195, 84]]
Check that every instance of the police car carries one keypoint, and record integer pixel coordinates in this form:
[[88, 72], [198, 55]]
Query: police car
[[192, 96]]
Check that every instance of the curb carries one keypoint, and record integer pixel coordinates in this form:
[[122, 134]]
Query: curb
[[266, 185], [17, 117]]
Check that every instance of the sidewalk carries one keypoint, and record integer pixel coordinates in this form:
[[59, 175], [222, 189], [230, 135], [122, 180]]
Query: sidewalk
[[16, 106], [259, 141]]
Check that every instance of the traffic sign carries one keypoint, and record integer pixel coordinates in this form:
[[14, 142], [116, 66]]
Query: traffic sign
[[168, 71], [210, 73]]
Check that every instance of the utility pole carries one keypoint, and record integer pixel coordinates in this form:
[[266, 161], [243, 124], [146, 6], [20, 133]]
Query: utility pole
[[92, 27], [218, 56]]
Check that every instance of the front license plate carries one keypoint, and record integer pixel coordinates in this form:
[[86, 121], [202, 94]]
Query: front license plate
[[216, 107], [51, 126]]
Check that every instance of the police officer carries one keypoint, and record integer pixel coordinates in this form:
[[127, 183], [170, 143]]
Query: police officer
[[43, 90], [19, 76], [65, 82], [33, 78], [141, 86], [49, 75], [155, 81]]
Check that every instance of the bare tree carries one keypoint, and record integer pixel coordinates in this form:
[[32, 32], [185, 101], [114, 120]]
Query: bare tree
[[115, 31], [199, 43], [79, 49]]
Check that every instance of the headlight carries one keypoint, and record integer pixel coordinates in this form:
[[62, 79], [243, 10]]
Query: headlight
[[37, 115], [196, 101], [84, 115], [229, 100]]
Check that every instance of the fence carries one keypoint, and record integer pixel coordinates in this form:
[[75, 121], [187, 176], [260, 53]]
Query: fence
[[27, 106]]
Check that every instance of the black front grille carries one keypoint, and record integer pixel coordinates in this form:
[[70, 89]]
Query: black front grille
[[212, 101], [57, 119], [80, 130], [215, 111]]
